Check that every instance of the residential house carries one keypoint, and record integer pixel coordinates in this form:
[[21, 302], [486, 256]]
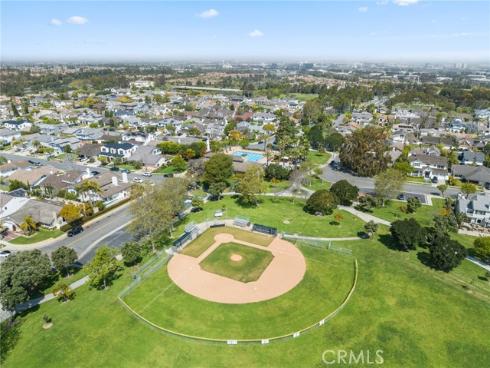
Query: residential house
[[7, 136], [19, 125], [32, 177], [117, 150], [474, 174], [430, 167], [112, 189], [150, 156], [476, 207], [472, 158]]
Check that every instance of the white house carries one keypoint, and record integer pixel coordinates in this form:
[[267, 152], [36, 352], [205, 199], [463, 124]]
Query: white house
[[117, 150], [20, 125], [7, 136], [434, 168], [476, 207]]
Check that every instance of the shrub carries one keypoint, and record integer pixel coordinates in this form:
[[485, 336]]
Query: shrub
[[482, 248], [131, 253]]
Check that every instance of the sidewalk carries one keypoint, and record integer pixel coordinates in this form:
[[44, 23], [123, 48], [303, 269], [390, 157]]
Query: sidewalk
[[47, 242], [43, 299]]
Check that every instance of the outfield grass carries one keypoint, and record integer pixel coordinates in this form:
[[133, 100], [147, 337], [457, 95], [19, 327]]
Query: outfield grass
[[252, 264], [40, 235], [285, 214], [327, 281], [417, 316], [206, 239]]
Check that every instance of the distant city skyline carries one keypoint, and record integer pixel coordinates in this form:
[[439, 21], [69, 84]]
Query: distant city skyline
[[139, 31]]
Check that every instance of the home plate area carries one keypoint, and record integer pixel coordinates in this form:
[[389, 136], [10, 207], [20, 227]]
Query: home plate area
[[235, 271]]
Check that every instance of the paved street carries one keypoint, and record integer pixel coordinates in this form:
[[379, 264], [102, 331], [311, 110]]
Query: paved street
[[366, 184]]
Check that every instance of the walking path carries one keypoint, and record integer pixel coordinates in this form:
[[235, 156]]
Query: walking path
[[366, 217], [43, 299]]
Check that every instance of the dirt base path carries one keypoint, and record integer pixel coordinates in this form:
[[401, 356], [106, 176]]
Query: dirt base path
[[285, 271]]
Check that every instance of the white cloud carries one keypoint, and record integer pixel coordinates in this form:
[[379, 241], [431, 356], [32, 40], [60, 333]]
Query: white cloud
[[363, 9], [210, 13], [55, 22], [256, 33], [77, 19], [405, 2]]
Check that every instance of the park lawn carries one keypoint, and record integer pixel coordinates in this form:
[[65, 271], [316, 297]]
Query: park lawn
[[40, 235], [327, 281], [166, 170], [318, 158], [417, 316], [253, 263], [316, 183], [424, 214], [285, 214], [206, 239], [274, 187]]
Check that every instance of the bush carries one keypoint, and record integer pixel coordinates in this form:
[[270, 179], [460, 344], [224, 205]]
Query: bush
[[445, 254], [482, 248], [322, 202], [345, 192], [413, 204]]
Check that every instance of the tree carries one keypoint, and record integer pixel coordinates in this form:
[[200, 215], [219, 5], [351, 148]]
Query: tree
[[63, 258], [63, 292], [278, 172], [322, 202], [388, 184], [413, 203], [131, 253], [70, 212], [251, 184], [442, 188], [88, 188], [334, 141], [29, 226], [23, 275], [371, 228], [219, 168], [364, 152], [407, 233], [345, 192], [468, 188], [445, 253], [216, 189], [178, 163], [102, 269], [482, 248], [155, 212], [16, 184]]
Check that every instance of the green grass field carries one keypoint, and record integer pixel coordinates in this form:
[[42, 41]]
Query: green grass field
[[40, 235], [206, 239], [286, 214], [417, 316], [252, 264], [327, 281], [424, 214]]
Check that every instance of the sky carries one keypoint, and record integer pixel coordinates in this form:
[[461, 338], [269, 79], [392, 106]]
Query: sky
[[119, 31]]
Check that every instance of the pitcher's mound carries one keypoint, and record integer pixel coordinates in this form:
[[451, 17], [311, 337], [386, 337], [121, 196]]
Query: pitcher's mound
[[236, 257]]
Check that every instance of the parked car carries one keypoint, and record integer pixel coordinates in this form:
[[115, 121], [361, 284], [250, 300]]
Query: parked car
[[137, 180], [4, 254], [147, 174], [114, 168], [35, 163], [74, 231]]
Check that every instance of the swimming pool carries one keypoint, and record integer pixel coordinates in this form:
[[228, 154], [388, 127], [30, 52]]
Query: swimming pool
[[249, 156]]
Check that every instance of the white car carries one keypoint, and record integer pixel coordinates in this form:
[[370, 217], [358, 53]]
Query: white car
[[137, 180], [4, 254], [147, 174]]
